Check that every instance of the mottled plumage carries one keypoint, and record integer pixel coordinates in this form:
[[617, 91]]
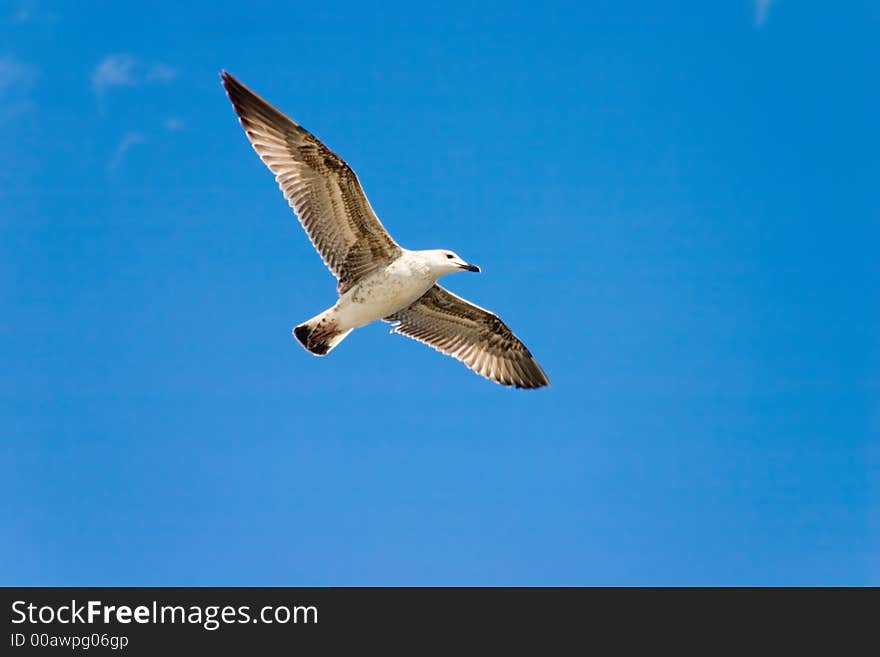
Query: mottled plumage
[[471, 334], [321, 188], [378, 279]]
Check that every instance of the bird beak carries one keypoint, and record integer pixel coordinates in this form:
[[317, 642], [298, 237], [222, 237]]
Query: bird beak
[[471, 268]]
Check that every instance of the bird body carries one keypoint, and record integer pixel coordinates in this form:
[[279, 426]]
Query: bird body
[[378, 279], [389, 289], [377, 295]]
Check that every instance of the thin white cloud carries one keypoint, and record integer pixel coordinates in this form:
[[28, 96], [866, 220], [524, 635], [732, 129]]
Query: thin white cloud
[[173, 124], [25, 11], [28, 11], [124, 70], [762, 9], [129, 141], [16, 81], [160, 73], [15, 75], [113, 71]]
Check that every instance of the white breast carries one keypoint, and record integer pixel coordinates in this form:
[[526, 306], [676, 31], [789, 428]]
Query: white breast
[[384, 292]]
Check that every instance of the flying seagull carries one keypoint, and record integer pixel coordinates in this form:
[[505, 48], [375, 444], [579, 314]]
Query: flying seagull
[[378, 278]]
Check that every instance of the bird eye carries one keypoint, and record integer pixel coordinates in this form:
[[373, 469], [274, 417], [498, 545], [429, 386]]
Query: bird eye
[[449, 255]]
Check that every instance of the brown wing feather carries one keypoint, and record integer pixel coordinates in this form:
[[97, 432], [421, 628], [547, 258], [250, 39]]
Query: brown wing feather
[[322, 189], [471, 334]]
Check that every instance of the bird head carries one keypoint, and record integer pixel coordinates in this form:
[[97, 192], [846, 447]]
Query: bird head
[[447, 262]]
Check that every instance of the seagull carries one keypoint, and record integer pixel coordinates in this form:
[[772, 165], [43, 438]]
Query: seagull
[[378, 278]]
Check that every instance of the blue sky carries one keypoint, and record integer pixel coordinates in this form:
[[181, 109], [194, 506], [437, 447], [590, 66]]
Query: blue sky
[[674, 205]]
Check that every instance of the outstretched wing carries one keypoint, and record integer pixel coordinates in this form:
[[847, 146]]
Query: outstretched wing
[[473, 335], [321, 188]]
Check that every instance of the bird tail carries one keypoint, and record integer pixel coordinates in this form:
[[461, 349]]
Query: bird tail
[[320, 334]]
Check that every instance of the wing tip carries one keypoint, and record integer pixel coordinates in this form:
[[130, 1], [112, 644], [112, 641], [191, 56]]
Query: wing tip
[[531, 378], [233, 89], [250, 106], [237, 92], [534, 384]]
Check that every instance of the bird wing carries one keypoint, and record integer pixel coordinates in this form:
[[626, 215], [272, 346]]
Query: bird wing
[[322, 189], [473, 335]]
